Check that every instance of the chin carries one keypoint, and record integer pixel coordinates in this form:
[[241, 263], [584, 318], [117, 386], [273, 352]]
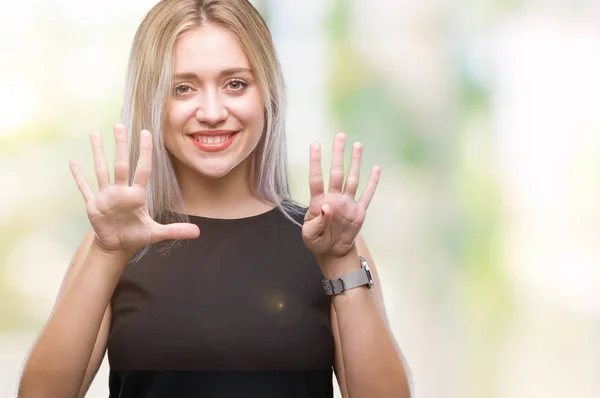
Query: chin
[[214, 175], [215, 171]]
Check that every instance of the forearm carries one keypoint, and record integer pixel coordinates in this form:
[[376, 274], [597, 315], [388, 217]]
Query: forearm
[[57, 362], [373, 365]]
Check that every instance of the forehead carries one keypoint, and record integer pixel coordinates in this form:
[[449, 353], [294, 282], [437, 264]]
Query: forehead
[[208, 49]]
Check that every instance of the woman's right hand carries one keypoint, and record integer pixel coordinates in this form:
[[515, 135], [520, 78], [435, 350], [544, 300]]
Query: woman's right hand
[[119, 213]]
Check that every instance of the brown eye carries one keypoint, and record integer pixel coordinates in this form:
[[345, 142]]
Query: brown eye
[[182, 89], [237, 85]]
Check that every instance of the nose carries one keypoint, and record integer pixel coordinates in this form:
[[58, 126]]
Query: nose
[[211, 109]]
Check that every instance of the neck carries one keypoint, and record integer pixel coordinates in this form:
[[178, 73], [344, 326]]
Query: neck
[[230, 196]]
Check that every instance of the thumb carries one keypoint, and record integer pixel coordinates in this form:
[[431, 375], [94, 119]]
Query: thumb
[[175, 231], [315, 227]]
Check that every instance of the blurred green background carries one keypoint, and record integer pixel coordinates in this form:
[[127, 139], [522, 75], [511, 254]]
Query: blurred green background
[[483, 115]]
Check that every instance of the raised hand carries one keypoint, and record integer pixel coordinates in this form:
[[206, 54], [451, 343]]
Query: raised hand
[[334, 218], [118, 213]]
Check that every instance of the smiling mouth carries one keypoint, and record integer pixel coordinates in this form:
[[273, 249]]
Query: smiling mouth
[[213, 143], [212, 139]]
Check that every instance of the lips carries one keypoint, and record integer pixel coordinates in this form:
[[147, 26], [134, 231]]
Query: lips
[[213, 141]]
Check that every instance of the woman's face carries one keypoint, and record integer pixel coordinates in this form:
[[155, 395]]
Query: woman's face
[[215, 112]]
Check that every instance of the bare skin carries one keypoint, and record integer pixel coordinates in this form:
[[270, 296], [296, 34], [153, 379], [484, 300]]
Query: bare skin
[[216, 96], [368, 362], [71, 345]]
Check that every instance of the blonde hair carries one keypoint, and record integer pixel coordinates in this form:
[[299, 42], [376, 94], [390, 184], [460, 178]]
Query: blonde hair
[[149, 85]]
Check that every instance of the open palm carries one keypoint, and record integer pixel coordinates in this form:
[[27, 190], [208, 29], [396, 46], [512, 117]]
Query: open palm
[[334, 218], [118, 213]]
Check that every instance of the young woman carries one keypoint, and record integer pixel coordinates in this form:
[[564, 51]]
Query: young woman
[[269, 298]]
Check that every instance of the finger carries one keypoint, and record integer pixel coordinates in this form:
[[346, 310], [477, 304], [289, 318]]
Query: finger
[[315, 175], [82, 184], [353, 173], [336, 174], [175, 231], [121, 155], [144, 164], [99, 160], [367, 195], [315, 227]]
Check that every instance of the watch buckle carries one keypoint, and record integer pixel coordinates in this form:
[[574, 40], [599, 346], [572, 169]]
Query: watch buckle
[[331, 288]]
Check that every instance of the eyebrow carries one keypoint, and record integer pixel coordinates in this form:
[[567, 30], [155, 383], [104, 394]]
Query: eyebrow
[[224, 73]]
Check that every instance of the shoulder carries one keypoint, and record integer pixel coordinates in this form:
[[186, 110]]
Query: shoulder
[[293, 211]]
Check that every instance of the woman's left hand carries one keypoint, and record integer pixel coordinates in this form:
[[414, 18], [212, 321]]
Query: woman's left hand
[[334, 218]]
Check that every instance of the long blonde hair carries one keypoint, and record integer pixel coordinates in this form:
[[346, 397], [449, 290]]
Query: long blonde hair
[[149, 84]]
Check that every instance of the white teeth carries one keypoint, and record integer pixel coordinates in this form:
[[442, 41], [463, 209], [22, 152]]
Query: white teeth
[[214, 140]]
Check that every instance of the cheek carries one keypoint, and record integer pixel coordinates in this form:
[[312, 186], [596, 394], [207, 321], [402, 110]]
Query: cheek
[[178, 113], [251, 111], [175, 119]]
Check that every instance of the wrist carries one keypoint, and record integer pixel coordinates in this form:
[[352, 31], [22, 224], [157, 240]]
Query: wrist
[[336, 266], [120, 255], [103, 266]]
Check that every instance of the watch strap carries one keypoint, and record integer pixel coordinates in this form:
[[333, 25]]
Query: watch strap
[[348, 281]]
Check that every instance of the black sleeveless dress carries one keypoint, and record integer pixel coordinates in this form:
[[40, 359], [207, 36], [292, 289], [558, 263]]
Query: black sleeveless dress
[[238, 312]]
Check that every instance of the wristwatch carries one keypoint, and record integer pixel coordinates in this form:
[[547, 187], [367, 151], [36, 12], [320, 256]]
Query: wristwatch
[[350, 280]]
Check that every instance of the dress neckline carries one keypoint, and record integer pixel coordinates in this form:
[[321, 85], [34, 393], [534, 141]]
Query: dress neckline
[[233, 220]]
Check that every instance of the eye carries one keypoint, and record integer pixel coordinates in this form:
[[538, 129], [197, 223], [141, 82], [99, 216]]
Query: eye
[[237, 85], [182, 89]]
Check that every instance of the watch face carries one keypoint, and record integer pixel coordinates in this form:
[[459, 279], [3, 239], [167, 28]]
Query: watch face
[[365, 265]]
